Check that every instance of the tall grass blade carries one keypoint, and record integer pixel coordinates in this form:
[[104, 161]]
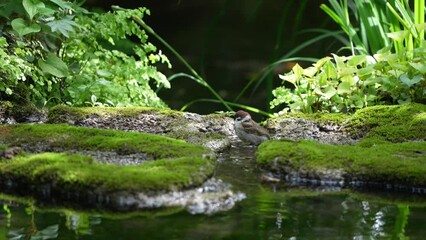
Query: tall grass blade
[[369, 19], [419, 18], [240, 106], [204, 83]]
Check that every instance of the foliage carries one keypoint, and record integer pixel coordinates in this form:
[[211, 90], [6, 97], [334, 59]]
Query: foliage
[[344, 84], [53, 50], [372, 23]]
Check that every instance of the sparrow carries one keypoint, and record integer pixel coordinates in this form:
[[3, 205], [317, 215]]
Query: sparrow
[[248, 130]]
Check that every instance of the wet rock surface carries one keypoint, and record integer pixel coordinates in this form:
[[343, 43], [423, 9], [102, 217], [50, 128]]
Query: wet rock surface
[[10, 114], [298, 128], [107, 157], [213, 196]]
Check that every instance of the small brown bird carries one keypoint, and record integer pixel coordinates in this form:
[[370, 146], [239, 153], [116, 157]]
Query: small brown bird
[[248, 130]]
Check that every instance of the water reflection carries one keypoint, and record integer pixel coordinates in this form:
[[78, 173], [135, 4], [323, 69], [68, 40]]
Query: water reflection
[[271, 211]]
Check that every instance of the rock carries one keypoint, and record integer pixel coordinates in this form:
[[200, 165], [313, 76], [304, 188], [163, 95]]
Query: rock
[[212, 131], [9, 153], [329, 132]]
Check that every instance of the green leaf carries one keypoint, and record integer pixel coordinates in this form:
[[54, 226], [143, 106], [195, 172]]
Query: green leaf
[[356, 60], [297, 70], [104, 73], [32, 7], [410, 82], [62, 4], [398, 36], [344, 87], [329, 92], [291, 78], [330, 70], [310, 71], [53, 65], [64, 25], [419, 67], [22, 29]]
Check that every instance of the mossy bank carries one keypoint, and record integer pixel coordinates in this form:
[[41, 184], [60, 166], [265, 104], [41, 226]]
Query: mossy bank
[[168, 164], [211, 130], [391, 151]]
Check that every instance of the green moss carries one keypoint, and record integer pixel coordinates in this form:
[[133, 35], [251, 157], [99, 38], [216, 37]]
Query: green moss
[[323, 118], [69, 137], [61, 113], [198, 137], [178, 164], [390, 123], [388, 162], [76, 172], [3, 147]]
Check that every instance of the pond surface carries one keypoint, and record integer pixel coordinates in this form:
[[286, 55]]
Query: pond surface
[[270, 211]]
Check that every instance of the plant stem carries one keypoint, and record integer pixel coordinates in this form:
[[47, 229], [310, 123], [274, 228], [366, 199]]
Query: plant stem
[[139, 21]]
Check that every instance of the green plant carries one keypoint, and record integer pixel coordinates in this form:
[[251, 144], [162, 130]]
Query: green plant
[[372, 23], [31, 34], [56, 51], [344, 84]]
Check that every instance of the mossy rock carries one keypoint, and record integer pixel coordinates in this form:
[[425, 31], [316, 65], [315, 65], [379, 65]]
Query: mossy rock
[[397, 123], [391, 149], [12, 113], [173, 164], [393, 163], [325, 128], [208, 130]]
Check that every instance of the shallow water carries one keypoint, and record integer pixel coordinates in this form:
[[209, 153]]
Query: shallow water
[[270, 211]]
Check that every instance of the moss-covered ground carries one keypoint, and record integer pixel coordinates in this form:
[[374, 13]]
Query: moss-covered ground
[[403, 163], [392, 150], [397, 123], [78, 138], [177, 165], [168, 122]]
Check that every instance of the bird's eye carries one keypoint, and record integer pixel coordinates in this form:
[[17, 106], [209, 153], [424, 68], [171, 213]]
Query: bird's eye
[[238, 118]]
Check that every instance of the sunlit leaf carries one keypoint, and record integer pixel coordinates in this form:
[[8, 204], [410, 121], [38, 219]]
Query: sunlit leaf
[[340, 61], [297, 70], [420, 26], [344, 88], [310, 71], [347, 71], [330, 70], [289, 78], [321, 62], [351, 80], [356, 60], [103, 73], [329, 92], [398, 36]]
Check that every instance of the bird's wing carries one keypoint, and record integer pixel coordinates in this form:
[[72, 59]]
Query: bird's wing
[[254, 128]]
